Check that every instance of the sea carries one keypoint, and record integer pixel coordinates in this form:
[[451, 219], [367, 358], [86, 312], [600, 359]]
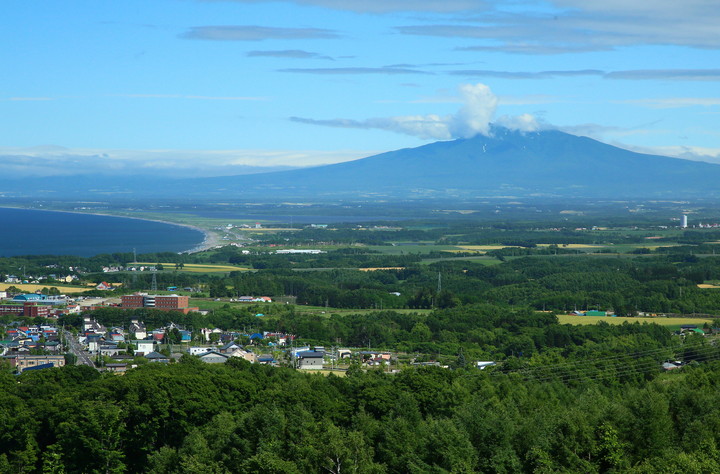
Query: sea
[[37, 232]]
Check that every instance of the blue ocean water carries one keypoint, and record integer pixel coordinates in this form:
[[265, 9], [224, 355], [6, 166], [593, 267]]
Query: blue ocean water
[[35, 232]]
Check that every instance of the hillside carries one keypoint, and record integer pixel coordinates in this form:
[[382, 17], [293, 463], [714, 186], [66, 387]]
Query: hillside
[[548, 163], [539, 164]]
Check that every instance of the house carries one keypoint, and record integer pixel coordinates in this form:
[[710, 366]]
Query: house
[[229, 347], [266, 360], [92, 325], [145, 347], [116, 367], [213, 357], [199, 350], [104, 286], [242, 353], [310, 360], [110, 350], [157, 357], [121, 358], [137, 328], [208, 332]]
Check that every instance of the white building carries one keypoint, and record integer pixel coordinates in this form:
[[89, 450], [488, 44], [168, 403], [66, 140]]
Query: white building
[[199, 350]]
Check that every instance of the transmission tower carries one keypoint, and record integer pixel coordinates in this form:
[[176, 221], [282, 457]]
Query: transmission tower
[[153, 285]]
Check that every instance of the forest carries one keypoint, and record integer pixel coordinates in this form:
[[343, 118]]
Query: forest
[[192, 417], [560, 397]]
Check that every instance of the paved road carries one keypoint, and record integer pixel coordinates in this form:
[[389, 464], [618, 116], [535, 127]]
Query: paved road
[[83, 358]]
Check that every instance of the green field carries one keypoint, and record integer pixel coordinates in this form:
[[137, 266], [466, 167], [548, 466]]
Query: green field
[[199, 268]]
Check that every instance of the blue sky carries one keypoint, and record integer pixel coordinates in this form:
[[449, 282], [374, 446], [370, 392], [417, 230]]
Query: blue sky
[[205, 86]]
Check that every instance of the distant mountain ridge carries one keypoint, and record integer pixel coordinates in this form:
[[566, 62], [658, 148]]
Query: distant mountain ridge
[[508, 163]]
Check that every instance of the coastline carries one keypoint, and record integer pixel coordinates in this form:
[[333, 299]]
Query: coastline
[[210, 239]]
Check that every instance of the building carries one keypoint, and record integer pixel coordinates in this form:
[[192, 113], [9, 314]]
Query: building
[[684, 221], [199, 350], [138, 329], [310, 360], [243, 354], [171, 302], [25, 361], [145, 347], [136, 300], [116, 367], [163, 302], [157, 358], [213, 357]]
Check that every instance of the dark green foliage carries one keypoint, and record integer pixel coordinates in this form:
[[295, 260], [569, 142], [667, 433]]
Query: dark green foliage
[[193, 417]]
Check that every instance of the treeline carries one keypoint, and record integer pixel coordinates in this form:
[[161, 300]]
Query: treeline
[[627, 286], [236, 417]]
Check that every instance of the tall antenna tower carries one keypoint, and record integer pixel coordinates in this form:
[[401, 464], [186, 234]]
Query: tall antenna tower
[[134, 255], [153, 285], [439, 288]]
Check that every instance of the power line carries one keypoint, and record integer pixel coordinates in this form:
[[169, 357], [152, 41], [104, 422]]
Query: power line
[[639, 363]]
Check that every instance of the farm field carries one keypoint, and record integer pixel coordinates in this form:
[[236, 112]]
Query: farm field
[[413, 247], [481, 259], [669, 322], [32, 288], [481, 248], [200, 268]]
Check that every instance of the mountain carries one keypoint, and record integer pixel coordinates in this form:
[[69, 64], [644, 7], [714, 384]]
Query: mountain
[[508, 163]]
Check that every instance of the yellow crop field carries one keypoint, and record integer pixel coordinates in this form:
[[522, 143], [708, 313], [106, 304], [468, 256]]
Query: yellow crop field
[[32, 288], [707, 285], [578, 320]]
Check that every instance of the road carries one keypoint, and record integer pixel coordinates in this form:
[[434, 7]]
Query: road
[[83, 358]]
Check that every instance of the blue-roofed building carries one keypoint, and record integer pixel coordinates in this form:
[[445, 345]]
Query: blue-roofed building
[[266, 359], [30, 297]]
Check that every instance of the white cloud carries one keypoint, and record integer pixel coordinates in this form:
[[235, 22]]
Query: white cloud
[[576, 26], [44, 161], [523, 123], [694, 153], [474, 117]]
